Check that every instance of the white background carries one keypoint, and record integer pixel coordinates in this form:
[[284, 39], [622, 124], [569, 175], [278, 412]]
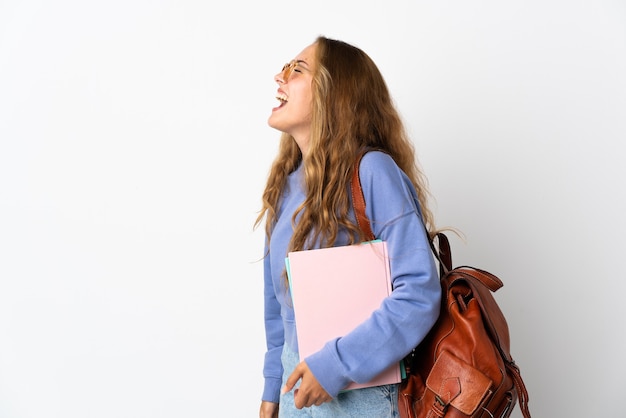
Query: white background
[[134, 149]]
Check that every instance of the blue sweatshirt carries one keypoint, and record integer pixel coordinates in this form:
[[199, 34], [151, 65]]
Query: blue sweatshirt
[[402, 320]]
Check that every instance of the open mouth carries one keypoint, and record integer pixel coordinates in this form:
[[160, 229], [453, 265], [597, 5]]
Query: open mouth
[[282, 99]]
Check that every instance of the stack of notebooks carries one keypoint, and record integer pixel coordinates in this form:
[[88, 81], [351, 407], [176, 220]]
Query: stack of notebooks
[[334, 290]]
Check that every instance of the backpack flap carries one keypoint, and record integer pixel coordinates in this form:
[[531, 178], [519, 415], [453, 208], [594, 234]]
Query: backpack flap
[[458, 384]]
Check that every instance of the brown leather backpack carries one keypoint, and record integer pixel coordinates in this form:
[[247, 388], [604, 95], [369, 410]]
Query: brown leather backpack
[[463, 368]]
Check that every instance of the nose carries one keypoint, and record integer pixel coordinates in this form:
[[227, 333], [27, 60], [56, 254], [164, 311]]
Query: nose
[[279, 78]]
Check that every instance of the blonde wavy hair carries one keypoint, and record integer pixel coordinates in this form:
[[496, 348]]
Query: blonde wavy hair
[[352, 110]]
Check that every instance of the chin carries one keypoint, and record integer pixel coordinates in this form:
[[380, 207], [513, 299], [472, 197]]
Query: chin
[[274, 124]]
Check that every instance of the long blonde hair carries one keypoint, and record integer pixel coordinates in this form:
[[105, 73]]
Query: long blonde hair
[[352, 110]]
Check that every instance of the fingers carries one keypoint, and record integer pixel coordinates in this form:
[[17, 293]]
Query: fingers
[[293, 379], [310, 391], [304, 398]]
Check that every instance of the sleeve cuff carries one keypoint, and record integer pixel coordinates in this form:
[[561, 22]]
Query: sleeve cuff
[[271, 391]]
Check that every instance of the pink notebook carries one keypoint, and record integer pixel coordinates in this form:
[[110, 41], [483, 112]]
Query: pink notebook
[[334, 290]]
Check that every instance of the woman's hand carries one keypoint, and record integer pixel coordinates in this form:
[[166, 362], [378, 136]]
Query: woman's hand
[[268, 410], [310, 391]]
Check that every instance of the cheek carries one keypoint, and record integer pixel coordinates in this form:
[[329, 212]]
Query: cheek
[[307, 104], [305, 95]]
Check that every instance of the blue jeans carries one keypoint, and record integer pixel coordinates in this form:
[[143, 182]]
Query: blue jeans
[[374, 402]]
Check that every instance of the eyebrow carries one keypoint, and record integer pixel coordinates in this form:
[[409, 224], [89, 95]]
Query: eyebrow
[[302, 62]]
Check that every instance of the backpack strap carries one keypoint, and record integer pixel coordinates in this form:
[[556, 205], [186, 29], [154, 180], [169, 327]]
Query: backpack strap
[[520, 387], [442, 252], [358, 200]]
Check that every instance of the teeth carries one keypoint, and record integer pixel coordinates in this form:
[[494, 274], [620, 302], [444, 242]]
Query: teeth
[[282, 98]]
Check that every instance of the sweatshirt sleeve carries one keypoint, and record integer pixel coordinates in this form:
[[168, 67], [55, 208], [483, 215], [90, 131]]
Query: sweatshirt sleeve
[[274, 336], [405, 317]]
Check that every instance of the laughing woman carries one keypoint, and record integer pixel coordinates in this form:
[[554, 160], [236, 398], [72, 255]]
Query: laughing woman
[[333, 104]]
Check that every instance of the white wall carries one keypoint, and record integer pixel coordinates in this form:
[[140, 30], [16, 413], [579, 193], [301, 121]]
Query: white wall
[[134, 149]]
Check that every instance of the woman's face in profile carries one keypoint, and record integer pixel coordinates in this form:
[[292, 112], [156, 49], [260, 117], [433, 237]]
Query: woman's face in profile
[[293, 114]]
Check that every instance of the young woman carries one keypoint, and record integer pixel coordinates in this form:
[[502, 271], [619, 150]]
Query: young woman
[[333, 103]]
